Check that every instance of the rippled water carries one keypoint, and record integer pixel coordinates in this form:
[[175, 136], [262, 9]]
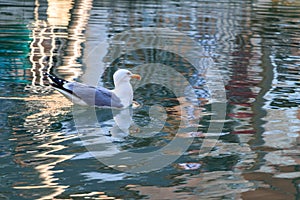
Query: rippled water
[[50, 149]]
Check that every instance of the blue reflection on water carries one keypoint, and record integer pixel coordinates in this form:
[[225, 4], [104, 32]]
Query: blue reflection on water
[[254, 44]]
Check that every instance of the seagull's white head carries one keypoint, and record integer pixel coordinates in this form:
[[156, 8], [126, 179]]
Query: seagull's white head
[[123, 89], [124, 75]]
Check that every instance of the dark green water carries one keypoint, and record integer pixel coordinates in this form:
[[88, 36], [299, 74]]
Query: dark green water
[[50, 149]]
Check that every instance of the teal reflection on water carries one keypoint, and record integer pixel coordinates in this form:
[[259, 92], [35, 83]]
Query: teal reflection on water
[[254, 43], [14, 53]]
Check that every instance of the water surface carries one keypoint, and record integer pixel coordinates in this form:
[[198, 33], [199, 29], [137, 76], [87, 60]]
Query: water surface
[[254, 44]]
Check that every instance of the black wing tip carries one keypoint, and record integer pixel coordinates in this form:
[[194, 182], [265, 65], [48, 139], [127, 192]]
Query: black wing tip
[[55, 81]]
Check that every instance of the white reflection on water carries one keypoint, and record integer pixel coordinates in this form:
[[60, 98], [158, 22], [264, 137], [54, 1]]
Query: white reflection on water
[[267, 169], [57, 41], [210, 185], [44, 55], [45, 161]]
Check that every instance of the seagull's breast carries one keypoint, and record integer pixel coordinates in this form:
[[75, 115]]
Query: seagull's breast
[[125, 93]]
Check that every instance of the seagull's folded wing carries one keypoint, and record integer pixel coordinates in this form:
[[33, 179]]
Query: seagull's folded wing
[[93, 96]]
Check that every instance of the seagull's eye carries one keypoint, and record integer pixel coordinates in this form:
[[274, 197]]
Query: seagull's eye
[[128, 73]]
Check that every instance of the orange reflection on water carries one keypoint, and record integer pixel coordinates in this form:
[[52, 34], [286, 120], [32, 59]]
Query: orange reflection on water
[[207, 185], [45, 161], [59, 12], [76, 38], [56, 46], [56, 42], [46, 170]]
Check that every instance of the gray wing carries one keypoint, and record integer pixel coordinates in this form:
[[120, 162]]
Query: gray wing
[[98, 96]]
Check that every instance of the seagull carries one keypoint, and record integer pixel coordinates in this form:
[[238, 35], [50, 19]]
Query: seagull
[[86, 95]]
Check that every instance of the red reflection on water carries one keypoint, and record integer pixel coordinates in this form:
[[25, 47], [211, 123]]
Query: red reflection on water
[[241, 88]]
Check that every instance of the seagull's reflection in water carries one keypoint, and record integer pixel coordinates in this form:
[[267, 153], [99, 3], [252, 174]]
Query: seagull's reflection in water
[[122, 123], [102, 131]]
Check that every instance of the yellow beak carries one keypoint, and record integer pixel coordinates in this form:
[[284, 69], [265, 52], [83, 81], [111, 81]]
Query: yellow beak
[[136, 76]]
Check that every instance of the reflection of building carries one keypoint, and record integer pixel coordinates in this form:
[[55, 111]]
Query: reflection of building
[[57, 43], [209, 185], [56, 46], [57, 36], [278, 141], [239, 78], [96, 46], [14, 35], [47, 44]]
